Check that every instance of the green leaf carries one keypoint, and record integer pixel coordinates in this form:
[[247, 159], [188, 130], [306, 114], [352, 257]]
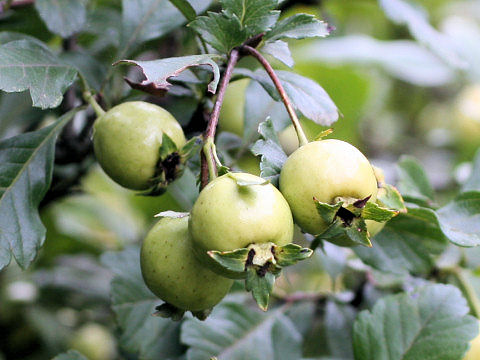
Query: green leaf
[[219, 30], [298, 26], [70, 355], [140, 333], [374, 212], [413, 182], [186, 9], [26, 65], [459, 220], [390, 197], [306, 95], [291, 254], [231, 260], [279, 50], [357, 232], [431, 320], [64, 17], [157, 72], [272, 155], [327, 212], [473, 182], [261, 286], [167, 147], [404, 13], [256, 16], [339, 320], [26, 165], [406, 244], [234, 331], [145, 20]]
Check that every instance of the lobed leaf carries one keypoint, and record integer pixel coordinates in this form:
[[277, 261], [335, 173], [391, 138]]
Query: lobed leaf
[[26, 165]]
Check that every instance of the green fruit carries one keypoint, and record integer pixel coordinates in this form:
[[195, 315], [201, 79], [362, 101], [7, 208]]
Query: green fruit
[[474, 352], [229, 216], [94, 341], [325, 170], [467, 120], [171, 271], [233, 107], [127, 139]]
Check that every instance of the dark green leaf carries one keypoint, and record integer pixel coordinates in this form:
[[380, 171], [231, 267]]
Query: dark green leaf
[[432, 320], [26, 165], [298, 26], [339, 320], [273, 156], [279, 50], [234, 331], [70, 355], [473, 182], [64, 17], [186, 9], [459, 220], [306, 95], [27, 65], [327, 212], [413, 182], [91, 69], [157, 72], [291, 254], [167, 147], [404, 13], [141, 333], [390, 197], [357, 232], [231, 260], [374, 212], [219, 30], [261, 286], [406, 244], [256, 16]]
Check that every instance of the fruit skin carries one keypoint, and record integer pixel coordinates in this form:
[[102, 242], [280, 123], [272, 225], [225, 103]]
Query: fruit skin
[[127, 139], [227, 216], [171, 271], [233, 107], [474, 352], [324, 169], [94, 341]]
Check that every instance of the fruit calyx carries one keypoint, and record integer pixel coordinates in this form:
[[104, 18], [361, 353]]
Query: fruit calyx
[[169, 311], [260, 264]]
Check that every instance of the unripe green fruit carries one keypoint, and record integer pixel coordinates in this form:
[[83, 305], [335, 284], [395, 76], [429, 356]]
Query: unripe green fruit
[[94, 341], [227, 216], [127, 139], [324, 170], [474, 352], [233, 107], [171, 271]]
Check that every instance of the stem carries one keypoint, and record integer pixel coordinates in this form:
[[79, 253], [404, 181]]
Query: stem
[[87, 95], [208, 160], [302, 139]]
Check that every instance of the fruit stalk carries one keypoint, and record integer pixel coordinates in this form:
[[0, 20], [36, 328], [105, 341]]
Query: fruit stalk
[[302, 139], [208, 162]]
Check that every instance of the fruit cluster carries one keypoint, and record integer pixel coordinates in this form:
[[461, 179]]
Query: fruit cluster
[[241, 226]]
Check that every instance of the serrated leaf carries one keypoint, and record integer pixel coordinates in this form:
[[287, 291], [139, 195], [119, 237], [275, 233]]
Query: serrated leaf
[[256, 16], [185, 8], [219, 30], [64, 17], [413, 182], [279, 50], [260, 286], [26, 165], [403, 59], [298, 26], [27, 65], [272, 155], [306, 95], [404, 13], [326, 211], [291, 254], [144, 20], [406, 244], [357, 232], [379, 214], [432, 320], [473, 182], [231, 260], [140, 333], [70, 355], [460, 219], [157, 72], [235, 331]]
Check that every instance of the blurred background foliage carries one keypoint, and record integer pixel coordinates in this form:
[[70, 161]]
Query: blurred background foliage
[[395, 99]]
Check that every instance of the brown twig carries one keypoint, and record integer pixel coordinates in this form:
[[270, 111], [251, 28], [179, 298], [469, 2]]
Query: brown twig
[[276, 81], [213, 121]]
